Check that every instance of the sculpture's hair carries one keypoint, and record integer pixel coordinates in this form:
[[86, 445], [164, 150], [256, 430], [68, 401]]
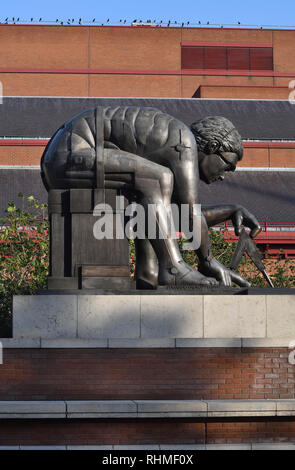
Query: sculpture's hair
[[220, 129]]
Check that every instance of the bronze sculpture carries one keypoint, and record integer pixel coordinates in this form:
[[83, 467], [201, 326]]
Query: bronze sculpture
[[155, 159]]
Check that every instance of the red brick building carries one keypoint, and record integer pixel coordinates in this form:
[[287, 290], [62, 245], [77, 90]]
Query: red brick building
[[200, 391], [146, 61]]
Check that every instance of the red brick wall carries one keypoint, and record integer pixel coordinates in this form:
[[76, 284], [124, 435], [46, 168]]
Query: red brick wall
[[144, 432], [78, 57], [244, 92], [152, 374]]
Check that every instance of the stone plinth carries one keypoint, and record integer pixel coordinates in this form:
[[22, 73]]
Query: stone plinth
[[140, 320]]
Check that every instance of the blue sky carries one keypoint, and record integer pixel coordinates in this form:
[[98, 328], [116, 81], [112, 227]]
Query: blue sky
[[255, 12]]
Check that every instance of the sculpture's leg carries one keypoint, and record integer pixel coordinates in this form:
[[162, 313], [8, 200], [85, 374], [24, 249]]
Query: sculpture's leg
[[147, 269], [153, 185]]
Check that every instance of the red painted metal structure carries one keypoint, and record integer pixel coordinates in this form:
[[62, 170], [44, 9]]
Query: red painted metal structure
[[277, 240]]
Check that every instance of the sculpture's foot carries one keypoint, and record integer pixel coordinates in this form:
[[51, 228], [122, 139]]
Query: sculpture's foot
[[143, 284], [182, 275]]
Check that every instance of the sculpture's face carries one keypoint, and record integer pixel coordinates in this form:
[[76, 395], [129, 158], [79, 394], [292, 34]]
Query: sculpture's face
[[214, 162]]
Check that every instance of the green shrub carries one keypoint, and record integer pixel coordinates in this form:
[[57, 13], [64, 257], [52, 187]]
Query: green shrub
[[24, 257], [281, 272]]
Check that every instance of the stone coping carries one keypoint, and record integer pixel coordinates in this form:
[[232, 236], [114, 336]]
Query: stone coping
[[176, 290], [169, 447], [133, 343], [109, 409], [154, 320]]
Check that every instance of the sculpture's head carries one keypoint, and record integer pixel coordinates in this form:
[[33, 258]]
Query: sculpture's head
[[219, 147]]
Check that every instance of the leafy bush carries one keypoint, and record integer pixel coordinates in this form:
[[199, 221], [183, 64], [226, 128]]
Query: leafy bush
[[24, 257], [282, 272]]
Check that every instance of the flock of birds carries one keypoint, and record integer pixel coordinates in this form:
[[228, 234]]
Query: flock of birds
[[135, 22]]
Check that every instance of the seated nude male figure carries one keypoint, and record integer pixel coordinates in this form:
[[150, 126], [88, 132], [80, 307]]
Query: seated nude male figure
[[158, 159]]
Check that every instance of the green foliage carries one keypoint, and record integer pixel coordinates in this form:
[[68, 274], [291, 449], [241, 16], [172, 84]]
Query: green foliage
[[24, 258], [282, 272], [132, 258], [222, 250]]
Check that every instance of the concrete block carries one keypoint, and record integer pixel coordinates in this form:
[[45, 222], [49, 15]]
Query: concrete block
[[99, 415], [208, 342], [85, 447], [9, 448], [228, 446], [136, 447], [74, 343], [43, 447], [285, 407], [288, 404], [108, 316], [266, 342], [46, 316], [172, 406], [105, 406], [228, 316], [168, 316], [241, 408], [280, 316], [273, 446], [172, 414], [16, 343], [32, 410], [142, 343], [241, 405], [239, 414], [33, 407], [182, 447]]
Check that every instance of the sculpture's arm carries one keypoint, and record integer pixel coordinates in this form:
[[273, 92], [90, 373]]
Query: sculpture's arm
[[186, 183], [234, 212]]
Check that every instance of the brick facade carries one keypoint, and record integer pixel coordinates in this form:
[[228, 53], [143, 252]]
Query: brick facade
[[132, 61], [145, 432], [146, 374]]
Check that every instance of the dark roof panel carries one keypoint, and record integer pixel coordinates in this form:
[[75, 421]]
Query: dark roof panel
[[40, 117], [267, 194]]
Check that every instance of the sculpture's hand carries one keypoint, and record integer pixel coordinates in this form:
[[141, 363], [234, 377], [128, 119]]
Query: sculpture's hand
[[243, 217], [225, 276]]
